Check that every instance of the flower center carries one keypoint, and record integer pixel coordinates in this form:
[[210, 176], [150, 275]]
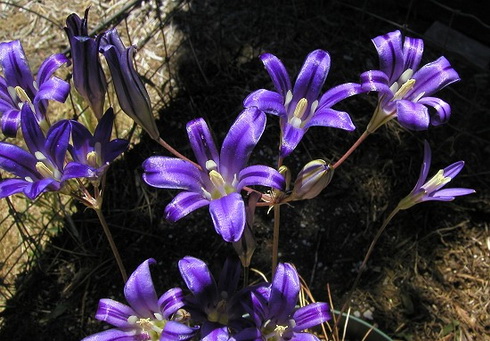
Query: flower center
[[276, 332], [220, 187], [148, 328], [301, 114], [404, 84], [219, 313], [45, 167], [436, 182], [94, 157]]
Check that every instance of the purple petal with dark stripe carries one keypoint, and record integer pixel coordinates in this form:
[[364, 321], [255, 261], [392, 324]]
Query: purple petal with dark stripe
[[57, 139], [17, 161], [311, 77], [240, 141], [112, 335], [413, 116], [450, 193], [311, 315], [183, 204], [269, 102], [260, 175], [53, 89], [229, 276], [175, 331], [9, 187], [413, 49], [277, 72], [452, 170], [290, 139], [304, 337], [33, 136], [326, 117], [228, 214], [78, 170], [198, 279], [432, 77], [170, 302], [49, 67], [140, 292], [424, 170], [15, 67], [389, 47], [214, 332], [202, 142], [114, 313], [443, 110], [10, 122], [284, 292], [375, 80], [33, 190], [339, 93], [172, 173]]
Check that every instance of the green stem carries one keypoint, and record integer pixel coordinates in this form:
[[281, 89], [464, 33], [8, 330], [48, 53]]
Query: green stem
[[351, 149], [108, 234], [366, 257]]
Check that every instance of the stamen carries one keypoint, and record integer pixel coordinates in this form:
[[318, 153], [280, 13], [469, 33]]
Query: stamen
[[158, 316], [211, 165], [217, 179], [288, 99], [44, 170], [295, 122], [405, 76], [92, 159], [12, 94], [206, 194], [132, 319], [300, 110], [22, 95], [28, 179], [404, 89], [436, 181], [40, 156], [314, 105]]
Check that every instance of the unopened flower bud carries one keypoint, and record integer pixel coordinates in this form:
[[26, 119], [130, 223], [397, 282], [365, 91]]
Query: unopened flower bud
[[311, 180]]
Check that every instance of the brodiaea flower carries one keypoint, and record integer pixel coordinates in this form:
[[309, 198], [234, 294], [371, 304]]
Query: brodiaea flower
[[18, 86], [222, 176], [300, 108], [217, 306], [147, 317], [431, 190], [42, 168], [404, 90], [275, 314], [93, 153]]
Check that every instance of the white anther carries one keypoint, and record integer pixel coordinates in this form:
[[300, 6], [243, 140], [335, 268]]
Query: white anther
[[289, 98], [211, 165], [132, 319]]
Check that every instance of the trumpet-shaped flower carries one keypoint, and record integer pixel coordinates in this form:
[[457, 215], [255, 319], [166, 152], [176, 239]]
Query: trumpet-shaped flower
[[147, 317], [93, 153], [42, 168], [18, 86], [217, 306], [300, 108], [130, 90], [431, 190], [220, 177], [404, 89], [88, 77], [275, 314]]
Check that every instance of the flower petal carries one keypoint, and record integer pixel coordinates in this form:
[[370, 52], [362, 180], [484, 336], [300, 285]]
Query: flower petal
[[327, 117], [449, 193], [33, 190], [53, 89], [311, 77], [413, 49], [375, 80], [202, 142], [229, 276], [10, 122], [276, 70], [290, 139], [183, 204], [260, 175], [389, 47], [339, 93], [311, 315], [413, 116], [240, 141], [9, 187], [284, 292], [424, 170], [57, 139], [214, 332], [140, 292], [443, 110], [198, 279], [114, 313], [49, 67], [78, 170], [172, 173], [453, 169], [269, 102], [31, 131], [228, 214], [170, 302], [304, 337], [112, 335], [432, 77], [15, 67], [17, 161], [175, 331]]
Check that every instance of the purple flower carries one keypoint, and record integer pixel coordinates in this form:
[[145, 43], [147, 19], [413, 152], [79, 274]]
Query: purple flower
[[147, 317], [130, 90], [275, 314], [221, 176], [300, 108], [218, 306], [88, 77], [404, 90], [431, 190], [41, 169], [18, 85], [93, 153]]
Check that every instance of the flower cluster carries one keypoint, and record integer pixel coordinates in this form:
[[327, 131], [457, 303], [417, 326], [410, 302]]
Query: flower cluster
[[66, 155]]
